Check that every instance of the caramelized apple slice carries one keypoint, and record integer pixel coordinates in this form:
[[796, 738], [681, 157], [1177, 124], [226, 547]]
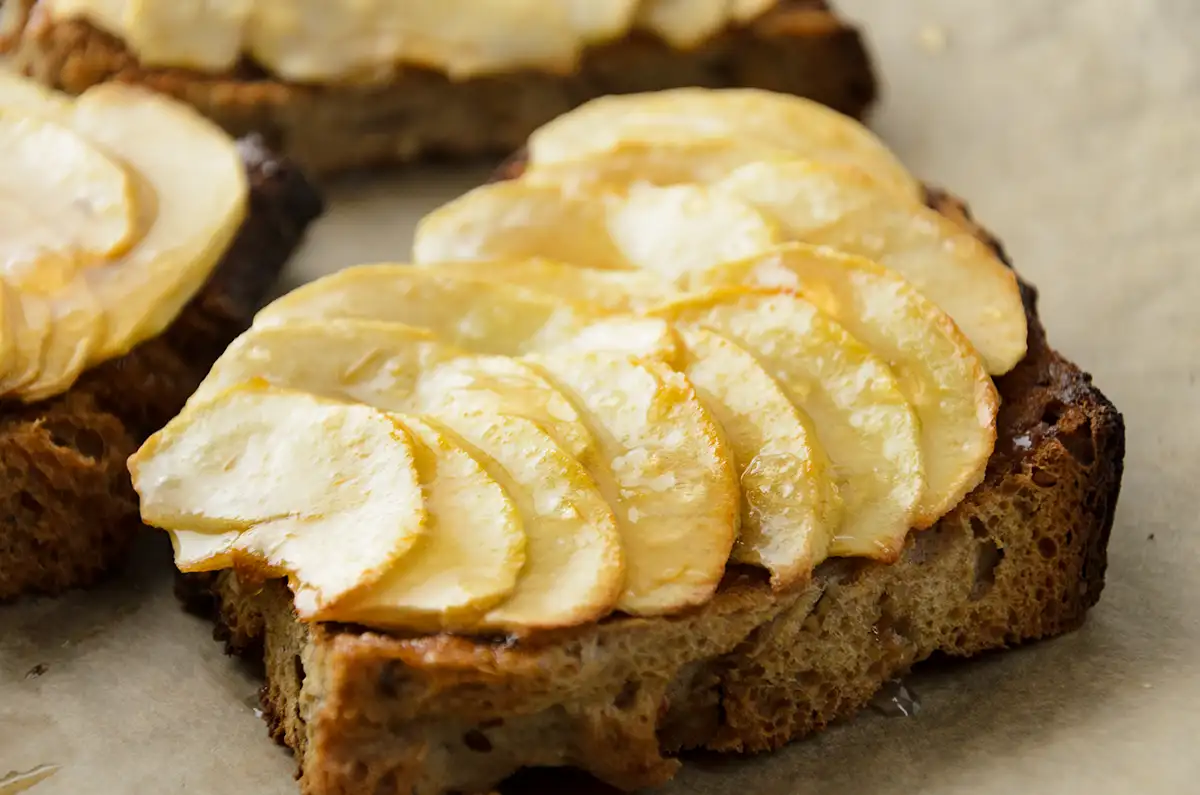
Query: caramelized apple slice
[[666, 230], [467, 561], [663, 467], [861, 417], [606, 291], [938, 371], [758, 118], [324, 492], [790, 505], [848, 210]]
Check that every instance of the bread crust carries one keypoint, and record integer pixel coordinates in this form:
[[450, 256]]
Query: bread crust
[[798, 47], [1020, 559], [67, 509]]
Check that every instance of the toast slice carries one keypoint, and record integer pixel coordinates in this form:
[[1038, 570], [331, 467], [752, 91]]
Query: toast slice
[[797, 47], [1020, 559], [70, 510]]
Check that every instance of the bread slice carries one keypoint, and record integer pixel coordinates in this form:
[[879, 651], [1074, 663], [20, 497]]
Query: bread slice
[[67, 508], [1020, 559], [798, 47]]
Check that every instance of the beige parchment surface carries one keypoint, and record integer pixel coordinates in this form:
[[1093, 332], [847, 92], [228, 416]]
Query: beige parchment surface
[[1073, 126]]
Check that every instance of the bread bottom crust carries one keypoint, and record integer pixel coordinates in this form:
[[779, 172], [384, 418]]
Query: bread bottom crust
[[68, 512], [1022, 558], [800, 47]]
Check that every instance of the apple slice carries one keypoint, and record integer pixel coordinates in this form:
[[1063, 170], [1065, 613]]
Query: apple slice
[[343, 359], [477, 315], [861, 417], [498, 385], [575, 561], [325, 492], [605, 291], [683, 228], [938, 371], [30, 97], [700, 161], [757, 118], [190, 207], [28, 327], [76, 325], [663, 467], [790, 505], [642, 226], [848, 210], [70, 198], [469, 558]]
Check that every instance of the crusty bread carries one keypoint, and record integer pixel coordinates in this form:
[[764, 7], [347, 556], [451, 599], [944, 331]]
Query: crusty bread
[[67, 509], [1022, 558], [799, 47]]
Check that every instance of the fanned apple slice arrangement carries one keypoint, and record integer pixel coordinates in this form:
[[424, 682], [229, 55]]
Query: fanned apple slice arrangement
[[703, 328], [101, 243]]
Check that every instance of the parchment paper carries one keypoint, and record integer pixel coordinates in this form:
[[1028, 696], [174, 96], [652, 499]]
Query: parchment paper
[[1073, 126]]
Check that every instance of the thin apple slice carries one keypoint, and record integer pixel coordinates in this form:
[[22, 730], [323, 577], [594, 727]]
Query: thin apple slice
[[512, 220], [498, 385], [261, 462], [938, 371], [469, 558], [606, 291], [190, 207], [861, 417], [477, 315], [74, 200], [700, 161], [640, 337], [353, 360], [790, 505], [28, 327], [575, 561], [758, 118], [28, 96], [683, 228], [846, 209], [664, 468], [76, 329], [640, 226]]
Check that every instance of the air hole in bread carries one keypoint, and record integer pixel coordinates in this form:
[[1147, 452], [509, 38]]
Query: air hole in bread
[[1048, 547], [988, 557], [1052, 413], [85, 441], [477, 741], [628, 696], [1043, 478], [1078, 442], [30, 503], [977, 528]]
